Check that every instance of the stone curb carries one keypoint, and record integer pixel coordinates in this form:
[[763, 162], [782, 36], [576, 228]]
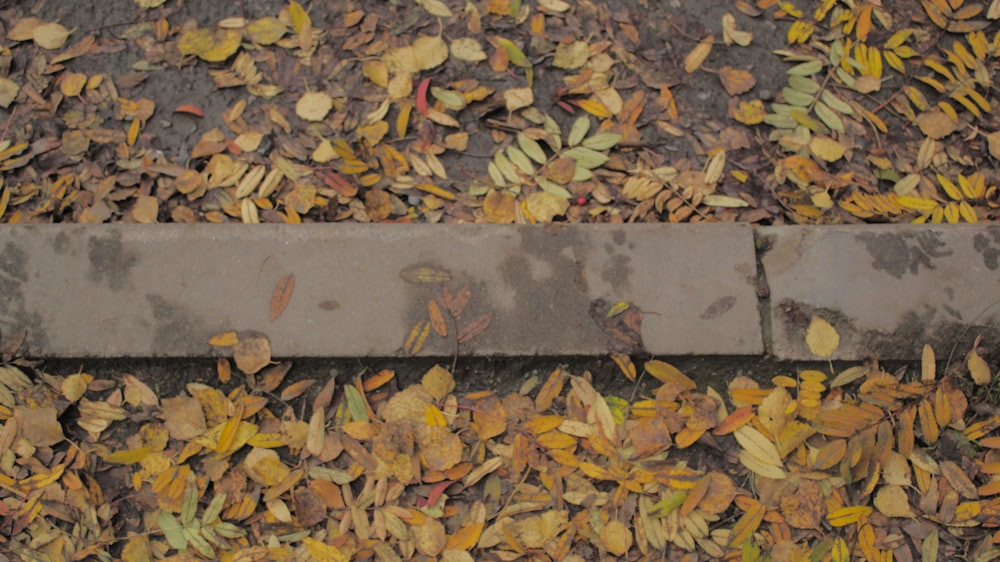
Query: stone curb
[[363, 290]]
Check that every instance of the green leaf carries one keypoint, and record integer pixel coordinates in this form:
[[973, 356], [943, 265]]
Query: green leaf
[[355, 404], [795, 97], [189, 507], [579, 130], [836, 103], [199, 543], [602, 141], [450, 98], [552, 128], [532, 148], [506, 168], [214, 509], [806, 68], [586, 157], [780, 121], [229, 530], [829, 117], [803, 84], [172, 530], [521, 160], [554, 188], [514, 53], [581, 174], [495, 175]]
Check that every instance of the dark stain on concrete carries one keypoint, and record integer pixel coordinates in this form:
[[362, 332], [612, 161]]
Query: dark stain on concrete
[[988, 245], [906, 339], [110, 263], [176, 326], [552, 309], [13, 314], [618, 272], [619, 237], [13, 262], [899, 254], [61, 243]]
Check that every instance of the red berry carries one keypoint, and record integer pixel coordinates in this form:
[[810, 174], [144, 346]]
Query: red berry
[[581, 200]]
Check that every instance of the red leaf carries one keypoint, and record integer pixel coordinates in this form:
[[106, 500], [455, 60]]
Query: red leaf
[[422, 95], [436, 492], [190, 109]]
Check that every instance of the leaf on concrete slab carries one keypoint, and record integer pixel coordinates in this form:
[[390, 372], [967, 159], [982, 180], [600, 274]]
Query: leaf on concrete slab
[[822, 338], [252, 352], [281, 296]]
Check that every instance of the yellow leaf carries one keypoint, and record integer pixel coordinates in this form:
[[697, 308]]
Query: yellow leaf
[[50, 35], [299, 16], [747, 524], [978, 369], [757, 445], [821, 337], [434, 417], [698, 54], [594, 108], [826, 148], [225, 339], [435, 190], [928, 366], [128, 456], [847, 515], [667, 373], [624, 363], [319, 550], [228, 435], [314, 106]]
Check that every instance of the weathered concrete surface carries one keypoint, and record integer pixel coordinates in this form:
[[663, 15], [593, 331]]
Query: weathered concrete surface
[[887, 290], [164, 291]]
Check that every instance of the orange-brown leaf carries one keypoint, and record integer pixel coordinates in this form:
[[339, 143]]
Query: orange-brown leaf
[[436, 318], [474, 327], [378, 379], [282, 294]]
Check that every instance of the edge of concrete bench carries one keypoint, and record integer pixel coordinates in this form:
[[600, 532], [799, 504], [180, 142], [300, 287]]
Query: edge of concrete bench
[[361, 290]]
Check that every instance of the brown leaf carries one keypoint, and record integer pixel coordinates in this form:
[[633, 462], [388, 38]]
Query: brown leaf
[[736, 81], [296, 389], [252, 353], [456, 303], [474, 327], [718, 308], [282, 294]]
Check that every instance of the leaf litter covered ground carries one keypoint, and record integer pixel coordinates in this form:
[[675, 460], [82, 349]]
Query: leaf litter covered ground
[[502, 111], [254, 464]]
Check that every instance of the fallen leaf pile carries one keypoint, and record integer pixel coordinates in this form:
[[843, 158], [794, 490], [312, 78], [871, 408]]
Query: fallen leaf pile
[[253, 466], [505, 111]]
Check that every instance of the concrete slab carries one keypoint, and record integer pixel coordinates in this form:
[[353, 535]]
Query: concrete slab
[[164, 291], [887, 289]]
